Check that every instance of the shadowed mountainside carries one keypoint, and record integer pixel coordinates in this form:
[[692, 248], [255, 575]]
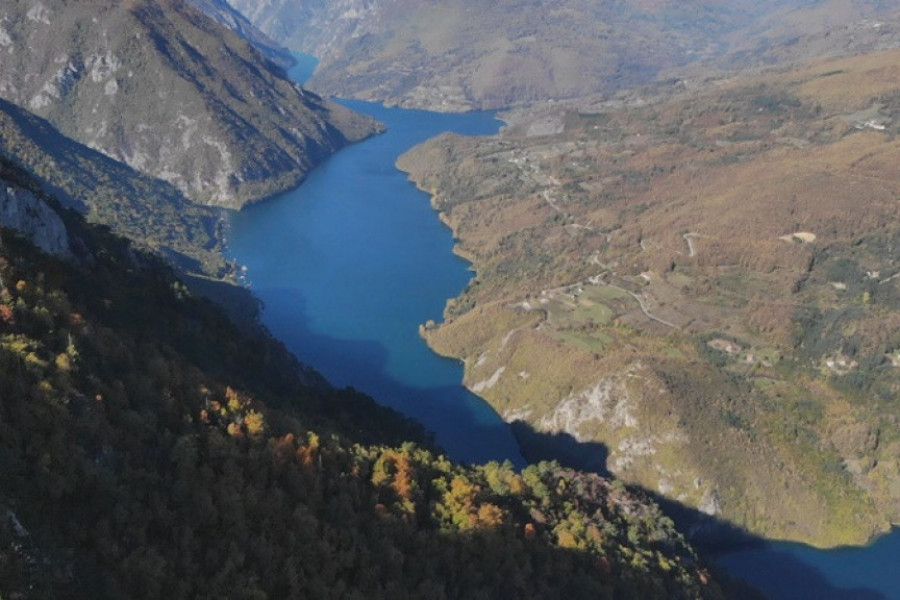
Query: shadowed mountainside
[[148, 211], [785, 577]]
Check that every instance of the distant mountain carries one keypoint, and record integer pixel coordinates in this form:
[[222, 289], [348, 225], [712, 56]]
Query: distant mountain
[[167, 90], [464, 54]]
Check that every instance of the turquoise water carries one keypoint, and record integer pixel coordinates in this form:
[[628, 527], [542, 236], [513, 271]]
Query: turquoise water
[[303, 67], [351, 263]]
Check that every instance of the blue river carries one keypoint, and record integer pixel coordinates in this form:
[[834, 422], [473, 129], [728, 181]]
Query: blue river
[[352, 262], [786, 571]]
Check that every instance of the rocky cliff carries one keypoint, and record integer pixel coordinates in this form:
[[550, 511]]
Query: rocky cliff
[[167, 90], [21, 211], [226, 15]]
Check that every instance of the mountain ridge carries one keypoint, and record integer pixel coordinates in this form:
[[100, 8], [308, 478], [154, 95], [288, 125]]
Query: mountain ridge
[[206, 111], [153, 449], [225, 14], [484, 55]]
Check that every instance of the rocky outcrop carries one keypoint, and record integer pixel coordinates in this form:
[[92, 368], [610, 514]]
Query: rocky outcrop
[[149, 211], [22, 211], [167, 90]]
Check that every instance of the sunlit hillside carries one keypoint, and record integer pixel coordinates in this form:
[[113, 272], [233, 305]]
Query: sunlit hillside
[[705, 282]]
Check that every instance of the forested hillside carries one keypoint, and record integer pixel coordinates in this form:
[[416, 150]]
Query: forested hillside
[[148, 211], [150, 449]]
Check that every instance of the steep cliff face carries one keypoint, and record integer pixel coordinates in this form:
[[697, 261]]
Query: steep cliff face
[[165, 89], [316, 27], [22, 211]]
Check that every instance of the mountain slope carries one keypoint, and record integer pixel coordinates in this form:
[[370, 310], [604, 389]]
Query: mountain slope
[[702, 282], [163, 88], [150, 449], [225, 14], [145, 210], [465, 54]]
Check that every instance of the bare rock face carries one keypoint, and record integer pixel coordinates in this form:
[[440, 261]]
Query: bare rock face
[[22, 211], [167, 90]]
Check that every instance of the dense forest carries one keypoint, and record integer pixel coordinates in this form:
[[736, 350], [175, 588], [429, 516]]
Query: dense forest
[[150, 448]]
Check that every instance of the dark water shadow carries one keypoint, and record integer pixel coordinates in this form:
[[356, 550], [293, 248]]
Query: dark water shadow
[[561, 447], [786, 578], [464, 425], [777, 574], [459, 421]]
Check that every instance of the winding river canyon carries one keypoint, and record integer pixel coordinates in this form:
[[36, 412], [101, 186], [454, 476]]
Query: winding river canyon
[[348, 266], [352, 262]]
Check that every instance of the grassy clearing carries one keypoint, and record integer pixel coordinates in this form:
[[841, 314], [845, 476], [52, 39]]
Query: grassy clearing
[[594, 342]]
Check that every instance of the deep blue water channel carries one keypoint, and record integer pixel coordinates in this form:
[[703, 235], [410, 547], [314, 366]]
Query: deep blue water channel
[[785, 571], [351, 263], [348, 266]]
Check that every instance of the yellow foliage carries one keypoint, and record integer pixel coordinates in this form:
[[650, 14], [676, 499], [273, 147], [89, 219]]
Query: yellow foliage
[[307, 454], [404, 478], [461, 493], [254, 422], [63, 363], [565, 539], [489, 515], [664, 563], [233, 399], [516, 485]]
